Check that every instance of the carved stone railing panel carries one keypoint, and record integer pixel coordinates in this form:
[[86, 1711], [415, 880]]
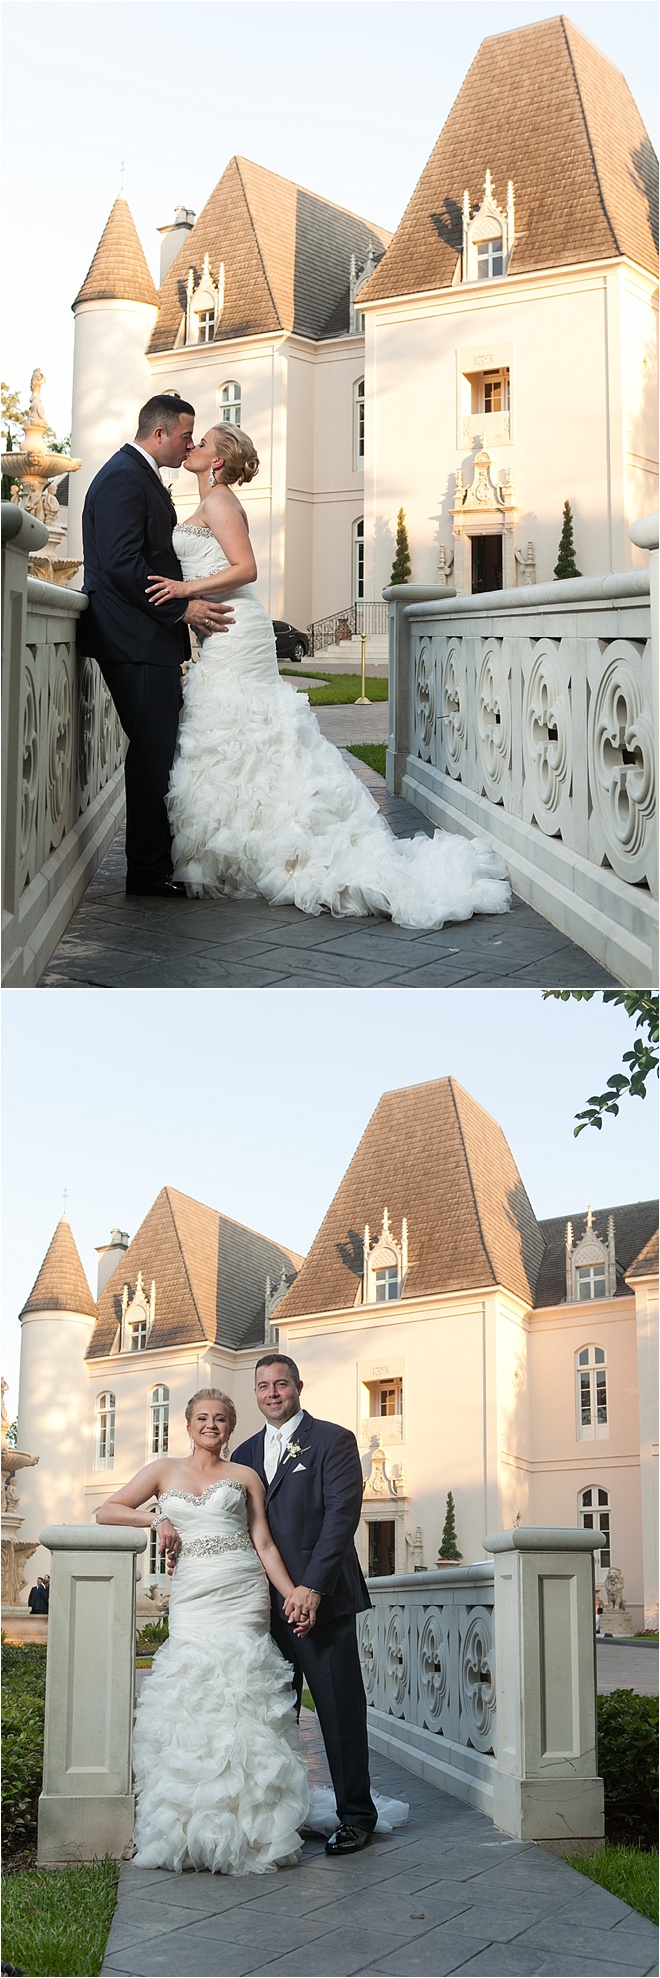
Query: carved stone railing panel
[[63, 751], [429, 1657], [530, 717]]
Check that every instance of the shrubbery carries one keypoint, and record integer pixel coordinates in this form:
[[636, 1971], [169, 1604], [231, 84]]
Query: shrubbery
[[628, 1764], [24, 1690], [152, 1636]]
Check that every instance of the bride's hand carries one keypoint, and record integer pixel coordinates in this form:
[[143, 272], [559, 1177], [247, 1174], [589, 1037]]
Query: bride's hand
[[169, 1542], [161, 589]]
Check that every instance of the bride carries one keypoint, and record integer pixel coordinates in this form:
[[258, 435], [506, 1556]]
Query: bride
[[259, 803], [220, 1783]]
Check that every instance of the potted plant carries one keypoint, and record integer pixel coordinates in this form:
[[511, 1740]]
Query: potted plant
[[449, 1554]]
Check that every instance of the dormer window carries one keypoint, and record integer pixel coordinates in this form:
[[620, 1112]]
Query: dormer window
[[385, 1264], [591, 1263], [488, 236], [137, 1316], [204, 300]]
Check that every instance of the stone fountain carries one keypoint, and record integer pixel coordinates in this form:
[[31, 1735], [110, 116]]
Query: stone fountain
[[15, 1551], [33, 466]]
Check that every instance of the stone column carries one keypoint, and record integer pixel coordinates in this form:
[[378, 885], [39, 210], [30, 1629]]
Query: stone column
[[546, 1787], [644, 534], [87, 1804], [21, 533], [401, 725]]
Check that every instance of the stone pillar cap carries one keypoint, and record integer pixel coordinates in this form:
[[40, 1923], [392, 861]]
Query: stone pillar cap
[[93, 1538], [644, 533], [544, 1538]]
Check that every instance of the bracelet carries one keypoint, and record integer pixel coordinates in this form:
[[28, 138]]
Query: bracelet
[[157, 1517]]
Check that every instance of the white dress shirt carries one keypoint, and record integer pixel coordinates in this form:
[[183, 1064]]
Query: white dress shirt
[[146, 456], [276, 1440]]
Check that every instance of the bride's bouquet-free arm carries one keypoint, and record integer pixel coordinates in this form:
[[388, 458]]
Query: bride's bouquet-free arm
[[131, 1506], [225, 519]]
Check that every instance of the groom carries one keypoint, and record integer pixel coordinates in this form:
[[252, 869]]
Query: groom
[[313, 1480], [128, 520]]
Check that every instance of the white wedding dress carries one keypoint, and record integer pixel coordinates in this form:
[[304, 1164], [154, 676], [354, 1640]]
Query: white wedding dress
[[260, 804], [219, 1779]]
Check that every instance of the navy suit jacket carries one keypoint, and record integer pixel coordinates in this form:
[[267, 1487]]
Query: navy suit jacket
[[314, 1511], [128, 520]]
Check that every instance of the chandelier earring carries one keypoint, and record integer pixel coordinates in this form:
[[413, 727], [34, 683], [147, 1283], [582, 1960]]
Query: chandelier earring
[[191, 1445]]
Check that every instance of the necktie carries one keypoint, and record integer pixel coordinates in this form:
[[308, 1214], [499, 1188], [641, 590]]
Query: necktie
[[273, 1454]]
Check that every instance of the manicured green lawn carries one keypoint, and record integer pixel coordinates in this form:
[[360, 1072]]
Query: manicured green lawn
[[56, 1921], [341, 690], [308, 1701], [626, 1872], [373, 753]]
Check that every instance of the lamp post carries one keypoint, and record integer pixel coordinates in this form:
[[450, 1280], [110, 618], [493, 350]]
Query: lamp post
[[363, 697]]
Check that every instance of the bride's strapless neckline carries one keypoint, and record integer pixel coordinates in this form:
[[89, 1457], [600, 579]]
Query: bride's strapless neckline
[[197, 528], [190, 1496]]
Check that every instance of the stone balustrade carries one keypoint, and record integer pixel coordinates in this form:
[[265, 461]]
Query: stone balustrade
[[87, 1804], [482, 1680], [62, 756], [530, 716]]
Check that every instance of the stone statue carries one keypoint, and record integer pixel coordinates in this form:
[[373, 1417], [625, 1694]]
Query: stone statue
[[415, 1544], [6, 1424], [615, 1619], [50, 506], [37, 416]]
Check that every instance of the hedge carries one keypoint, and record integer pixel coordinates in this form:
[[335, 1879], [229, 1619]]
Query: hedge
[[628, 1764], [24, 1691]]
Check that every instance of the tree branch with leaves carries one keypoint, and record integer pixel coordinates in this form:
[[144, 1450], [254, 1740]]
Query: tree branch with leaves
[[642, 1059]]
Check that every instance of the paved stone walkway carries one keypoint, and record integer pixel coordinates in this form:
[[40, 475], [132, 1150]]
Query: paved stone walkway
[[117, 943], [447, 1893], [627, 1666]]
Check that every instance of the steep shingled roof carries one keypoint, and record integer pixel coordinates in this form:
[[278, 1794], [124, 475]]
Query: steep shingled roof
[[646, 1264], [541, 106], [286, 255], [61, 1285], [210, 1276], [432, 1154], [119, 269], [634, 1224]]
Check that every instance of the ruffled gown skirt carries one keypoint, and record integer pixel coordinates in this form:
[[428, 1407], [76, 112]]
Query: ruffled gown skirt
[[220, 1783], [260, 804]]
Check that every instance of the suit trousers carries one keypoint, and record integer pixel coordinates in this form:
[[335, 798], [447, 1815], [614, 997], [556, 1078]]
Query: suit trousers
[[148, 701], [329, 1660]]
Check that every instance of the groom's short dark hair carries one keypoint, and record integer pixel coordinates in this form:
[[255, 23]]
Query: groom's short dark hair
[[279, 1360], [163, 410]]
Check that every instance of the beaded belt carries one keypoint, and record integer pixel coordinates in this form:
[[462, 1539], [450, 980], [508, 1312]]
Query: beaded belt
[[206, 1548]]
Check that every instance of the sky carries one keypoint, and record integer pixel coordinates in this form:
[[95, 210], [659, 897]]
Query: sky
[[345, 97], [254, 1103]]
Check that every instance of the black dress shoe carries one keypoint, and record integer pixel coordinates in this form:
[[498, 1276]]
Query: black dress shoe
[[166, 889], [348, 1840]]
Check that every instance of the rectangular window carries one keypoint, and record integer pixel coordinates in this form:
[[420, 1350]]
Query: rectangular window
[[391, 1401], [206, 320], [590, 1281], [139, 1336], [490, 259], [157, 1560], [387, 1284]]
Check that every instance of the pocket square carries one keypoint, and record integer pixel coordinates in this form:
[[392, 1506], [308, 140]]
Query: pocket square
[[300, 1466]]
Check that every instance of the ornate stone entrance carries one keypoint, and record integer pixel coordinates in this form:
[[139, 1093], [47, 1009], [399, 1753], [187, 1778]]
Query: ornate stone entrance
[[483, 518]]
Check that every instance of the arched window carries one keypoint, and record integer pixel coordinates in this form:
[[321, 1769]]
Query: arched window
[[591, 1383], [229, 404], [358, 423], [160, 1421], [594, 1509], [105, 1431], [358, 560]]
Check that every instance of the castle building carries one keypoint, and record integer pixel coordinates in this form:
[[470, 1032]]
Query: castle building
[[470, 1347], [491, 360]]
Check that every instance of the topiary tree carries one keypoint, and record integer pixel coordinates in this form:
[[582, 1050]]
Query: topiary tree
[[401, 566], [448, 1545], [566, 565]]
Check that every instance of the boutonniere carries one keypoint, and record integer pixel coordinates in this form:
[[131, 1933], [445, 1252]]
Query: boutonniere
[[295, 1449]]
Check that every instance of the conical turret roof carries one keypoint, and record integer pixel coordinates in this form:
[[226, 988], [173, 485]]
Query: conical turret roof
[[119, 269], [61, 1285], [543, 107]]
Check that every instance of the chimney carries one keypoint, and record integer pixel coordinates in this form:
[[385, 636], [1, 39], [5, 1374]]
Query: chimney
[[173, 236], [109, 1256]]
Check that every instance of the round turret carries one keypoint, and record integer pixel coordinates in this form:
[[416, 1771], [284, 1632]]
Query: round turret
[[115, 311], [57, 1322]]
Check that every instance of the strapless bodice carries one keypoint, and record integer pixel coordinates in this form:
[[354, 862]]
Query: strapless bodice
[[213, 1522], [198, 550]]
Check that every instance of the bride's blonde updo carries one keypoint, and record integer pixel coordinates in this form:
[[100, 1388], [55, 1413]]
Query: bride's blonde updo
[[213, 1394], [239, 454]]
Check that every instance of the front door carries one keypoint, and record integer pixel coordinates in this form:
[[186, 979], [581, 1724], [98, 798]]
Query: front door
[[486, 563], [381, 1547]]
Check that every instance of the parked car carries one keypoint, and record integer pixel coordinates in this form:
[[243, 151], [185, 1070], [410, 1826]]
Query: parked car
[[290, 644]]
